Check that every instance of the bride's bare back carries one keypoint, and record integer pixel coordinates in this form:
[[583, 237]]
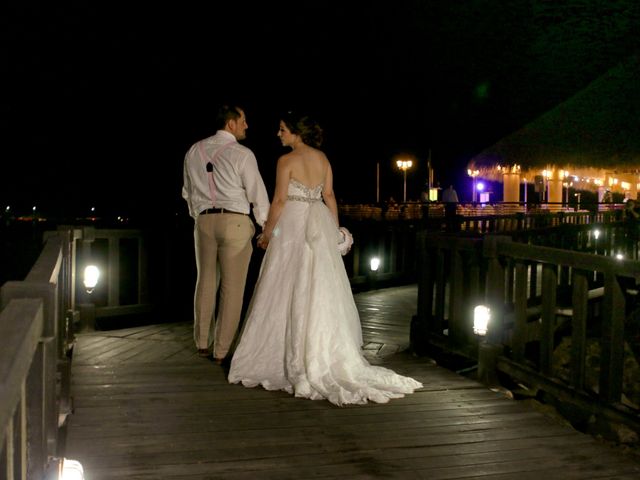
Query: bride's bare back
[[305, 164], [308, 166]]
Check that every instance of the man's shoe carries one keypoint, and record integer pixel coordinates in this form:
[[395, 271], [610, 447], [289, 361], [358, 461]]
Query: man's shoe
[[218, 361], [204, 352]]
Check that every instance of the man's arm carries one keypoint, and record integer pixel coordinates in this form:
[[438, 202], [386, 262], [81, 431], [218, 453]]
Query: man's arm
[[255, 189]]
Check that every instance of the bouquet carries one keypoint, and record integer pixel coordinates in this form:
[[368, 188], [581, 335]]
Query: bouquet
[[345, 240]]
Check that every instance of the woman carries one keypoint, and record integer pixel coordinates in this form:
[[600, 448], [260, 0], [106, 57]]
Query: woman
[[302, 333]]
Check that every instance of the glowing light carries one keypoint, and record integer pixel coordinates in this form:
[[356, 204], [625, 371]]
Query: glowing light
[[374, 264], [480, 186], [91, 276], [481, 319], [71, 470], [404, 165], [596, 234]]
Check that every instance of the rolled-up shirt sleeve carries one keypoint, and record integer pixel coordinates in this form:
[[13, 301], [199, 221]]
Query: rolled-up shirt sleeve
[[256, 191], [186, 188]]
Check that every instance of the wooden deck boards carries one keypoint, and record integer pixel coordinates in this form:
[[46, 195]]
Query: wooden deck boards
[[146, 407]]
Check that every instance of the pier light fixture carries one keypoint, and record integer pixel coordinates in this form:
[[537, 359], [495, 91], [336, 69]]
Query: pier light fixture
[[404, 165], [596, 234], [91, 276], [481, 318], [71, 470], [374, 264], [619, 256], [60, 468], [474, 175]]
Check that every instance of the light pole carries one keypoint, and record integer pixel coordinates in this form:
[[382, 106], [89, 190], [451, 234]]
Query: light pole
[[473, 174], [378, 182], [404, 165], [565, 183]]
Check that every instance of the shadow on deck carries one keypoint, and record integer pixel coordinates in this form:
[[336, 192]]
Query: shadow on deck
[[147, 407]]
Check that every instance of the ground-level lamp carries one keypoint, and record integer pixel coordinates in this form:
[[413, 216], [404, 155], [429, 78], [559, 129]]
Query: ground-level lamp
[[374, 264], [596, 236], [64, 469], [487, 352], [91, 277], [481, 317], [404, 165], [87, 308]]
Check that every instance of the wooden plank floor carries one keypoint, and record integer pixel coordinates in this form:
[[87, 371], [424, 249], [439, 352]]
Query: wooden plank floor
[[146, 407]]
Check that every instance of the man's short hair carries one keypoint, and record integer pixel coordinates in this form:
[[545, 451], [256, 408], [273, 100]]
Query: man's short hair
[[227, 113]]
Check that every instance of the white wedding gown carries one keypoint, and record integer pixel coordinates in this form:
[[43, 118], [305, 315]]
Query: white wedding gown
[[302, 332]]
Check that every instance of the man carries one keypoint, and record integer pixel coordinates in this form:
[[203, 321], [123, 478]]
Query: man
[[221, 182]]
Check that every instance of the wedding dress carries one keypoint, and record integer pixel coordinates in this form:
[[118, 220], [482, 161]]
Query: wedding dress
[[302, 332]]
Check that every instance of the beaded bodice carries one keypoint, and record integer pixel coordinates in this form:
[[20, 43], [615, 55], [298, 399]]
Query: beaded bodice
[[299, 192]]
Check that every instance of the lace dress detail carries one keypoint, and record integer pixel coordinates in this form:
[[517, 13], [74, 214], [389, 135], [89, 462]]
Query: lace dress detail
[[302, 332]]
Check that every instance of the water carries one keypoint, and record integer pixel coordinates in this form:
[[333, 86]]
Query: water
[[20, 246]]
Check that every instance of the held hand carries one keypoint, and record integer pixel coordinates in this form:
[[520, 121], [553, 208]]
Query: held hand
[[262, 241]]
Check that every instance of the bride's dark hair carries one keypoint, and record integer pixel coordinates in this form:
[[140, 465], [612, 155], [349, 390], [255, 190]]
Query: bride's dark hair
[[309, 130]]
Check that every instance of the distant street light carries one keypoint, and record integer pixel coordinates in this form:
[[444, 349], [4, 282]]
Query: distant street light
[[473, 174], [404, 165]]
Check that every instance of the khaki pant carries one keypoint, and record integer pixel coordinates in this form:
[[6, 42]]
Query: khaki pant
[[222, 243]]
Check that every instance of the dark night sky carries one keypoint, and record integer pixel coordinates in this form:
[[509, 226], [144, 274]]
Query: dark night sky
[[101, 102]]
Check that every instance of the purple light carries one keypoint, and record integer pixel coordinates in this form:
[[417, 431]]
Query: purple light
[[480, 186]]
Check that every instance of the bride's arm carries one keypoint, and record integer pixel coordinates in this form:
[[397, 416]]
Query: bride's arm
[[279, 199], [329, 197]]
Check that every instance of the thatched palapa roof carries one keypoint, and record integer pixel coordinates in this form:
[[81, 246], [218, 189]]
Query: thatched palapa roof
[[595, 133]]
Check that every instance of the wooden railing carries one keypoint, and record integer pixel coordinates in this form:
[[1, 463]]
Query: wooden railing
[[542, 299], [36, 319], [527, 286], [392, 242], [390, 234], [121, 256]]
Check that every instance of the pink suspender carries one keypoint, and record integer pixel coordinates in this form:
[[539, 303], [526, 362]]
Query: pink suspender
[[212, 185]]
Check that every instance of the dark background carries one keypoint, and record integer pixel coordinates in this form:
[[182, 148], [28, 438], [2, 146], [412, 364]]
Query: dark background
[[102, 99]]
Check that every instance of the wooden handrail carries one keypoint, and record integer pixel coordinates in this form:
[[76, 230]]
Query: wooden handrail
[[34, 368], [527, 287]]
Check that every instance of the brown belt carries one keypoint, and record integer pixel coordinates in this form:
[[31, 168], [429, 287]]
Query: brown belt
[[221, 210]]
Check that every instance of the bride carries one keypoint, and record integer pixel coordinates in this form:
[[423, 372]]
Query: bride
[[302, 332]]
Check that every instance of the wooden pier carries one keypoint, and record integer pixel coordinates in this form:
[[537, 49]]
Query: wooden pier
[[145, 406]]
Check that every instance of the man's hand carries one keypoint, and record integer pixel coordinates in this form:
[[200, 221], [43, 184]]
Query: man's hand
[[262, 241]]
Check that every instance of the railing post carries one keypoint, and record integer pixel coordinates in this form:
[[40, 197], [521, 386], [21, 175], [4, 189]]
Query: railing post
[[495, 286], [549, 286], [612, 347], [579, 328], [491, 346], [457, 328], [520, 322], [420, 324]]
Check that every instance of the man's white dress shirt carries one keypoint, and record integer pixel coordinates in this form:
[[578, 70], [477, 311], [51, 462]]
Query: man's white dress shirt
[[237, 179]]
